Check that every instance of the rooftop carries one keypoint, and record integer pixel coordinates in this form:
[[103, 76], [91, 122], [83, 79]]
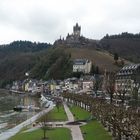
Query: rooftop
[[128, 70], [131, 67], [80, 61]]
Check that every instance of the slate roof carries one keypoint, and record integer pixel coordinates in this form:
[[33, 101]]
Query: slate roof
[[80, 61], [131, 67], [128, 70]]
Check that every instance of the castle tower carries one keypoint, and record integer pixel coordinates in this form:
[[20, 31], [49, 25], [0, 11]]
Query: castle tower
[[76, 30]]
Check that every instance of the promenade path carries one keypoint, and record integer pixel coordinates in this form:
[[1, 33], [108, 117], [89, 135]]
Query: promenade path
[[75, 129], [11, 132]]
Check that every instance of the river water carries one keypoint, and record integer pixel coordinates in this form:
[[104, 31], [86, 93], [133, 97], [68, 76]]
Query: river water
[[10, 118]]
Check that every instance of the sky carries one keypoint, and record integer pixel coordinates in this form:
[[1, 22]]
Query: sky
[[47, 20]]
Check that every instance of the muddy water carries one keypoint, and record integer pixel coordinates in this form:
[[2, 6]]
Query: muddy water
[[10, 118]]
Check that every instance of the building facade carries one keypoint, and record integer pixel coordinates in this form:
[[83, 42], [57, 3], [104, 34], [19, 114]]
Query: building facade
[[128, 78], [82, 65]]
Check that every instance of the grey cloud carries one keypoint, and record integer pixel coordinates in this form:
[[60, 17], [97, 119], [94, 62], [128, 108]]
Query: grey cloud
[[45, 21]]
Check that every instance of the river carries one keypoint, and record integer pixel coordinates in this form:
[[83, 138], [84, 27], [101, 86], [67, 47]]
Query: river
[[10, 118]]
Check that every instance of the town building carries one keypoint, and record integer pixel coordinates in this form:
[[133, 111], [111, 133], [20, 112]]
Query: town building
[[128, 78], [87, 85], [82, 65], [17, 86]]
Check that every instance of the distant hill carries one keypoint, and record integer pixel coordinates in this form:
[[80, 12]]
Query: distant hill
[[126, 45], [82, 47], [17, 58], [40, 60], [100, 58], [45, 61]]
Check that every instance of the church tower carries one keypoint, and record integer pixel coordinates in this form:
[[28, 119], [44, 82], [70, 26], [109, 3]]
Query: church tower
[[76, 30]]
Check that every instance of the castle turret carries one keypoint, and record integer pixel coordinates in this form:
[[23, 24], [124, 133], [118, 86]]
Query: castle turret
[[77, 30]]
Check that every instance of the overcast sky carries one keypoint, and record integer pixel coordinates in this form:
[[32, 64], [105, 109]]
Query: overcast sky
[[46, 20]]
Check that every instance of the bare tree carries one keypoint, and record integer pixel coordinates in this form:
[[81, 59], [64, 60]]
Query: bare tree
[[44, 126], [58, 103], [135, 95], [121, 94], [123, 123], [110, 87]]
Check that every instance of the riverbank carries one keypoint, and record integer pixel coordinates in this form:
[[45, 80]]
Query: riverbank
[[11, 132], [73, 131], [35, 94], [16, 91], [4, 90]]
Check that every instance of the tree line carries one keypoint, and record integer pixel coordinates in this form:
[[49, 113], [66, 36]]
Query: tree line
[[122, 35], [123, 123]]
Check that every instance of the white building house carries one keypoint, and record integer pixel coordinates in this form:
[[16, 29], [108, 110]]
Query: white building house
[[87, 85], [82, 65], [128, 79]]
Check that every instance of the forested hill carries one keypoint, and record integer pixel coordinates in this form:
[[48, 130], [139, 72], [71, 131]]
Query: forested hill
[[44, 61], [23, 46], [127, 45], [41, 60], [17, 58]]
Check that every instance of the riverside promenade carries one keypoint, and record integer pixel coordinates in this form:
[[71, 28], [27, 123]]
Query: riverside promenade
[[75, 129], [11, 132]]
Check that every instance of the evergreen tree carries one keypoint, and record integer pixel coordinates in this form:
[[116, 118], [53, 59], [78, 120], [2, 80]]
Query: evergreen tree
[[116, 57], [96, 70]]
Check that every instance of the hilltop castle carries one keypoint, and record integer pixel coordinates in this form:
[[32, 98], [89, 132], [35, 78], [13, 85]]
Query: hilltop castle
[[76, 30], [72, 40]]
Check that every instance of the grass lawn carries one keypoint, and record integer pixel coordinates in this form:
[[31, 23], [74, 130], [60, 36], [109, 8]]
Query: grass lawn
[[93, 129], [79, 113], [55, 115], [52, 134]]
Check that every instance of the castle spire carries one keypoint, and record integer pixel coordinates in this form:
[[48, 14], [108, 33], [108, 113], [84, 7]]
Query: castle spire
[[77, 30]]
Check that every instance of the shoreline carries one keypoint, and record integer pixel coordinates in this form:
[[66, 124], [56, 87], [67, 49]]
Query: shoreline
[[25, 93], [4, 90], [11, 132]]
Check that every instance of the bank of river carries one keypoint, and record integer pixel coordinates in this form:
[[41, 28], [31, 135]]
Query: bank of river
[[9, 118]]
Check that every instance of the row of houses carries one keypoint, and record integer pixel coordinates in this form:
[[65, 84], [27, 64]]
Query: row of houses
[[27, 85], [126, 80], [71, 84], [86, 83]]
